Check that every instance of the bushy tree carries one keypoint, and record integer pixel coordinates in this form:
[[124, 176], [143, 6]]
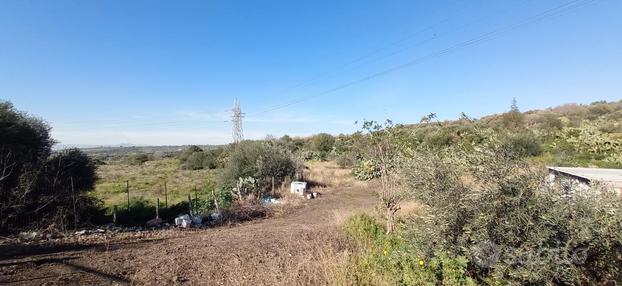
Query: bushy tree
[[138, 159], [386, 151], [193, 161], [258, 160], [35, 189], [194, 158], [25, 145], [193, 149], [323, 144], [184, 157], [62, 197]]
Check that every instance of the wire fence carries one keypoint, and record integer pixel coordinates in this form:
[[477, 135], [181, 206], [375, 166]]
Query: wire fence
[[138, 211]]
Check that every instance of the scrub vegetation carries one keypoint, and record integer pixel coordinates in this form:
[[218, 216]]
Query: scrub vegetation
[[459, 202], [486, 214]]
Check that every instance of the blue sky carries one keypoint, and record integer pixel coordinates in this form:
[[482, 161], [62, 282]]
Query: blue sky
[[166, 72]]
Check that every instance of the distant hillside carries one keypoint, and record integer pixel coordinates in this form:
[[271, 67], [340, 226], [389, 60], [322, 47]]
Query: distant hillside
[[567, 135], [115, 152], [569, 115]]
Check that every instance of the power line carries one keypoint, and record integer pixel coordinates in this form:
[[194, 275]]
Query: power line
[[361, 60], [375, 51], [556, 11]]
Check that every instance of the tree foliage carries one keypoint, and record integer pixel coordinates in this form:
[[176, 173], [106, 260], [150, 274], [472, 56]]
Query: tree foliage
[[62, 197], [323, 142], [260, 161], [493, 208], [37, 189], [513, 118], [25, 145], [386, 150], [195, 158]]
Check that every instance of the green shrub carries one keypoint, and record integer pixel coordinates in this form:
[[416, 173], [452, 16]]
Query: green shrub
[[193, 161], [514, 229], [364, 230], [38, 188], [599, 109], [366, 170], [213, 159], [442, 137], [323, 144], [197, 159], [67, 177], [513, 118], [210, 199], [549, 123], [345, 160], [387, 259], [25, 144], [137, 159], [523, 144], [258, 160]]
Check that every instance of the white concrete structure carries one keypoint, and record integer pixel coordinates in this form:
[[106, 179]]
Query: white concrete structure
[[298, 187], [580, 179]]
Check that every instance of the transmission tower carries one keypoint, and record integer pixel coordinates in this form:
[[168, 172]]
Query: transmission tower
[[236, 118]]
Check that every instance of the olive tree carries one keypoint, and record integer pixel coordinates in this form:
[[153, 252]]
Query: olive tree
[[260, 161], [494, 208], [387, 150]]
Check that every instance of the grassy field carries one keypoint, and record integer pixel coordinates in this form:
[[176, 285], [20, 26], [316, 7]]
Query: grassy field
[[147, 180]]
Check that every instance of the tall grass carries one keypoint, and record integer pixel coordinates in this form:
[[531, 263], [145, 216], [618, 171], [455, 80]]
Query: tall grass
[[146, 182], [377, 258]]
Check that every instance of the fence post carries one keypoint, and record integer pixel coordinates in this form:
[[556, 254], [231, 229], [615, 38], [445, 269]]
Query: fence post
[[114, 214], [127, 188], [157, 208], [75, 213], [190, 205], [272, 186], [165, 196], [215, 200]]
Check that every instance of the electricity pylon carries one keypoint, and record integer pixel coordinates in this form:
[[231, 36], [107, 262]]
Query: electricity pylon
[[236, 119]]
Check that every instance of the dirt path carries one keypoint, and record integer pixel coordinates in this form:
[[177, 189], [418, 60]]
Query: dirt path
[[283, 250]]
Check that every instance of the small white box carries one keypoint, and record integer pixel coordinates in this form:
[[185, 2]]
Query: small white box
[[298, 187]]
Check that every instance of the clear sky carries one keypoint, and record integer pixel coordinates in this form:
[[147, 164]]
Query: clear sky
[[166, 72]]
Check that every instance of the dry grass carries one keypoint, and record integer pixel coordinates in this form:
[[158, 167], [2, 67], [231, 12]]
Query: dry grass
[[321, 263], [330, 175], [147, 180], [409, 209], [312, 260], [322, 259]]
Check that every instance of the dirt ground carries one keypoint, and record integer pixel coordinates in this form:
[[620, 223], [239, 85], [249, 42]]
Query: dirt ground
[[287, 249]]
